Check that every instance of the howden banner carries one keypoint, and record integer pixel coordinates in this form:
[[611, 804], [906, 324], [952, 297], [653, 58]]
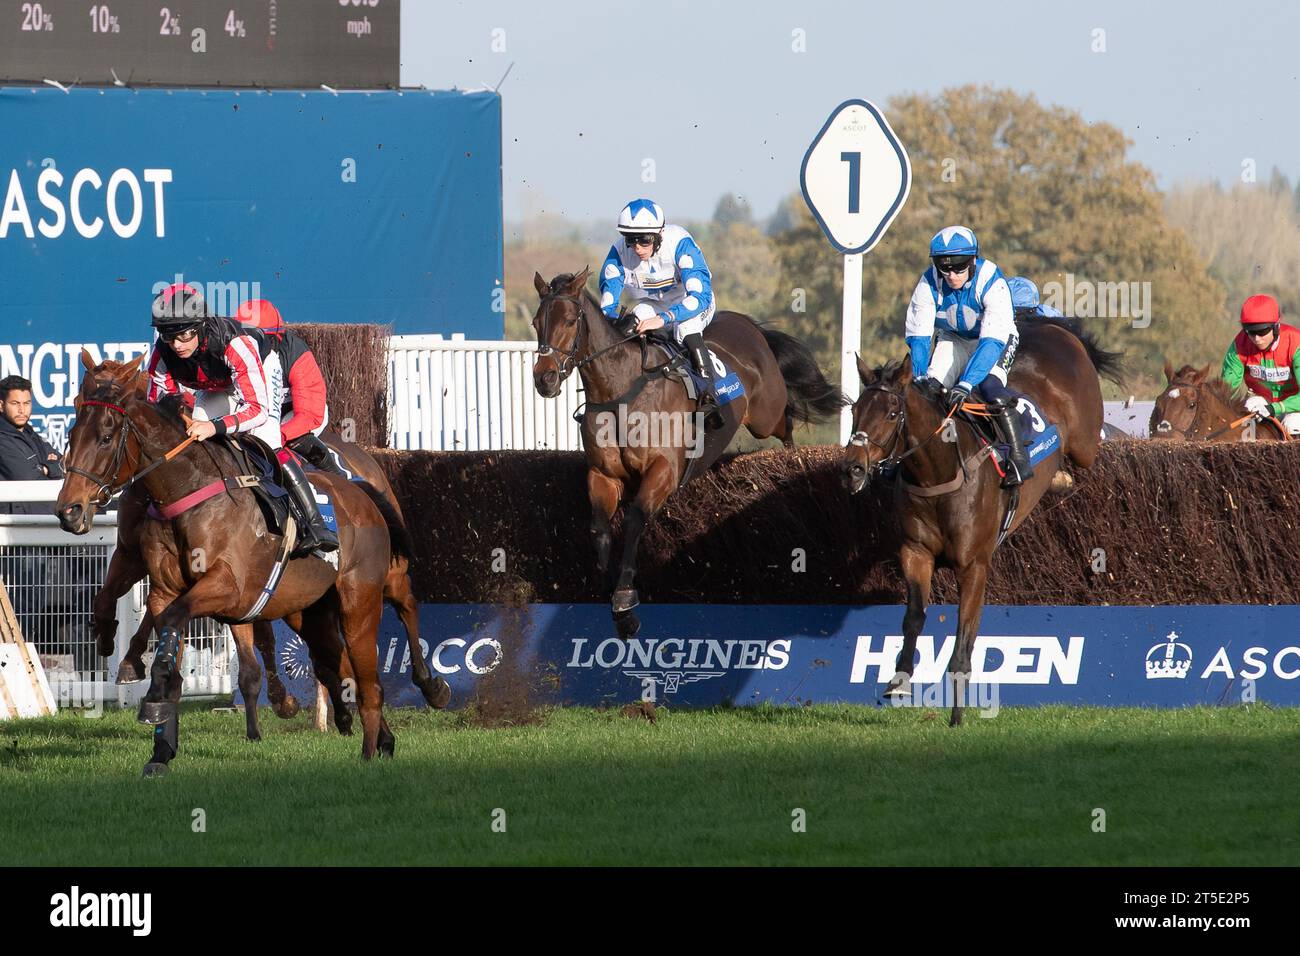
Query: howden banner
[[706, 655]]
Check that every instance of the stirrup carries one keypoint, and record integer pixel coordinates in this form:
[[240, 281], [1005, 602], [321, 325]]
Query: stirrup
[[712, 411]]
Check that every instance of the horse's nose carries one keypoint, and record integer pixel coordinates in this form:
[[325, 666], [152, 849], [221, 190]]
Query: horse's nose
[[854, 476], [550, 381], [1164, 427], [70, 516]]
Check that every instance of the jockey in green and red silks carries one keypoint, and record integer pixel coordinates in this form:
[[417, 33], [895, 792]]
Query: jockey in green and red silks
[[1265, 356]]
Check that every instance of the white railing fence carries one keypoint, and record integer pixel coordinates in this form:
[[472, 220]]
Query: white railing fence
[[52, 578], [459, 395]]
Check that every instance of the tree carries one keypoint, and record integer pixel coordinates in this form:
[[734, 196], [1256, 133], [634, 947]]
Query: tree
[[1278, 184], [1248, 235], [744, 266], [732, 209], [550, 247], [1050, 196]]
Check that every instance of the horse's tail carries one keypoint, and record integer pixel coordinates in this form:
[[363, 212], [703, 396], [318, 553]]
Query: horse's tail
[[399, 538], [809, 396], [1108, 364]]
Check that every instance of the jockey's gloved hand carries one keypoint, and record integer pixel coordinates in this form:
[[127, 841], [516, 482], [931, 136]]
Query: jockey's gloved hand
[[957, 396], [1259, 406], [930, 387], [625, 323]]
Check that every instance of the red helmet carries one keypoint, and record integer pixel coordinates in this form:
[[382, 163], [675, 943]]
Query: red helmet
[[261, 314], [1260, 310]]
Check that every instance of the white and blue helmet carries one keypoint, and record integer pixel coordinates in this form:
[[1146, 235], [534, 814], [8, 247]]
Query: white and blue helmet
[[640, 216], [954, 241]]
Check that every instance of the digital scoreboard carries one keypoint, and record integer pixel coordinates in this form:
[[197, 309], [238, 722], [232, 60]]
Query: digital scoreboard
[[344, 44]]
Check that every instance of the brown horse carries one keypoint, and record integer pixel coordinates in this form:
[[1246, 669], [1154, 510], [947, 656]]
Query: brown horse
[[953, 511], [127, 567], [216, 559], [1194, 409], [643, 466]]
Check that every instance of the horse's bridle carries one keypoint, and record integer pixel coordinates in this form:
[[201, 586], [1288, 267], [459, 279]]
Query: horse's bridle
[[569, 363], [863, 439], [1190, 430], [108, 487]]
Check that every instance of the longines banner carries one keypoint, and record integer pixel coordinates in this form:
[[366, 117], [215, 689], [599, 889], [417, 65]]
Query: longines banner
[[357, 207], [703, 655]]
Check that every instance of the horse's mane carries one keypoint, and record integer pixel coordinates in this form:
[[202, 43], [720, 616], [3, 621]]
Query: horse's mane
[[563, 279], [882, 372]]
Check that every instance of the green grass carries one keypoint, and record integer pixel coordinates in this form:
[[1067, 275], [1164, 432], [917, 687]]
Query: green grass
[[1188, 787]]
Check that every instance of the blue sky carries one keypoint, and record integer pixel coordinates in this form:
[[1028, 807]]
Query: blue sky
[[714, 93]]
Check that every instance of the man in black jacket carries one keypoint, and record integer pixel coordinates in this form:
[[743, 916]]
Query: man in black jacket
[[24, 454]]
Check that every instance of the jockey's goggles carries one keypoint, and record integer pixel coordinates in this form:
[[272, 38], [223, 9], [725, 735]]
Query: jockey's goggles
[[948, 266], [1258, 330], [646, 239], [179, 335]]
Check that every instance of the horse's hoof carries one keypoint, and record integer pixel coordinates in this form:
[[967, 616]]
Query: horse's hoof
[[628, 625], [624, 600], [437, 693], [254, 738], [386, 747], [155, 712], [1061, 483], [130, 671], [288, 707], [900, 686], [155, 770]]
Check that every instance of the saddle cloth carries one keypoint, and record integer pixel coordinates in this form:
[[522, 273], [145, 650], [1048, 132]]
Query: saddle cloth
[[727, 383], [1040, 435]]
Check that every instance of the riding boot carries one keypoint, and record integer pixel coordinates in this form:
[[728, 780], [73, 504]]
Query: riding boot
[[320, 455], [1006, 418], [313, 535], [708, 404]]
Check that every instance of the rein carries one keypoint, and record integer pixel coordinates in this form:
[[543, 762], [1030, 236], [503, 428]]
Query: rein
[[107, 487], [1232, 425], [1237, 424], [861, 438], [570, 362], [891, 459]]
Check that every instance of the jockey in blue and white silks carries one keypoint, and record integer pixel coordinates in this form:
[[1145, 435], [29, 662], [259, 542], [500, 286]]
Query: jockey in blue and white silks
[[964, 303], [663, 268]]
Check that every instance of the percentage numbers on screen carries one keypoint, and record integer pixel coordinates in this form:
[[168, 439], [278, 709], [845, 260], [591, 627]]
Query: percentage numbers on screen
[[102, 20], [36, 20], [171, 23]]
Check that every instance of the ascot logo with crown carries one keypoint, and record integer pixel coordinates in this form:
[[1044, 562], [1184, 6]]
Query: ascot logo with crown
[[1176, 660]]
